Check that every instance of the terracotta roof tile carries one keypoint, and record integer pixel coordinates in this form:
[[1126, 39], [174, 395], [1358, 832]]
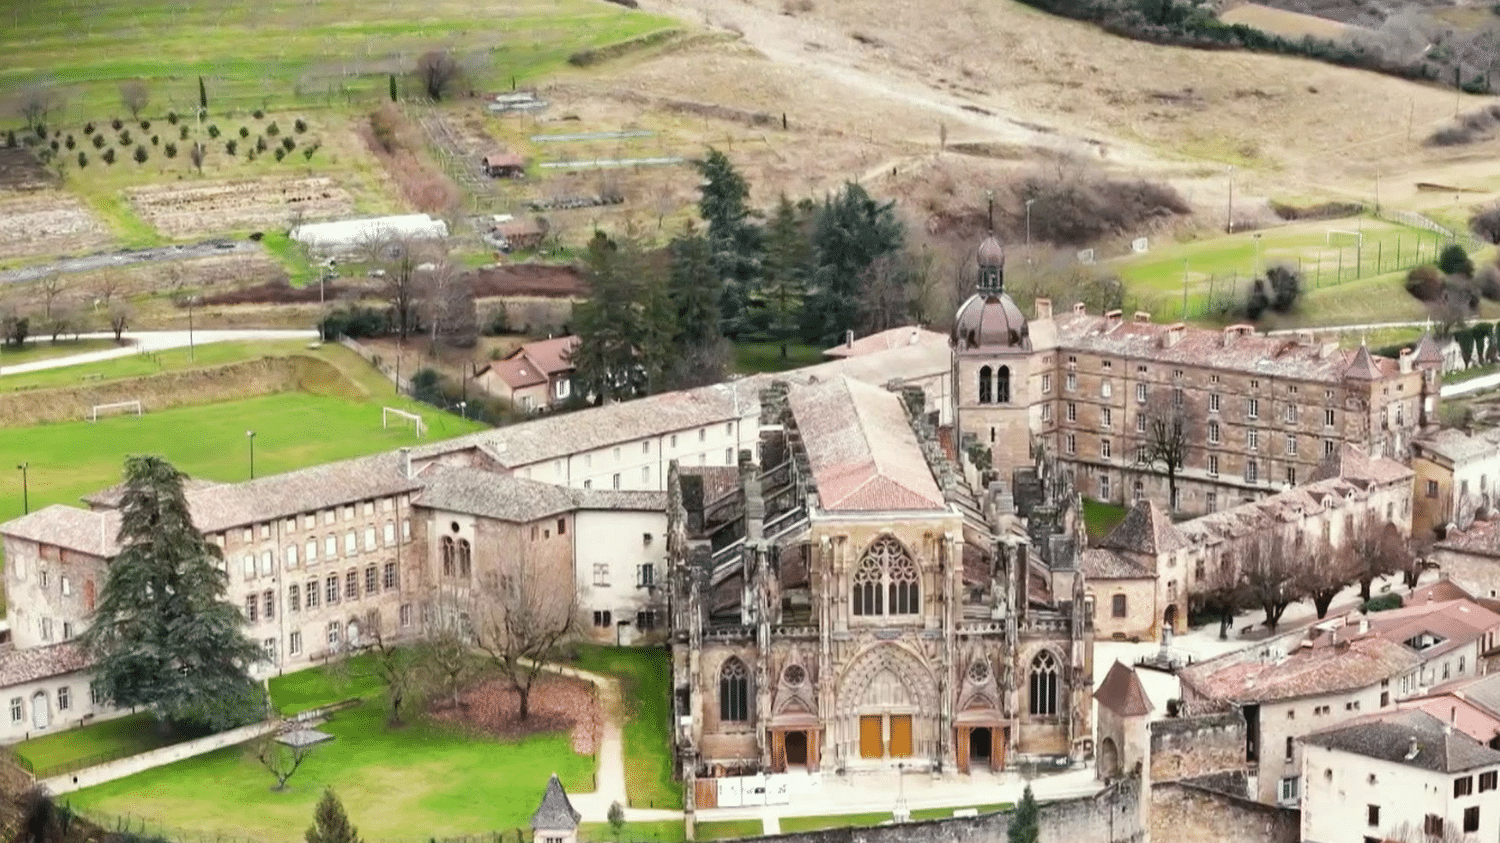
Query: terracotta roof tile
[[1392, 736], [886, 340], [33, 663], [1122, 692], [1145, 529], [1438, 592], [1243, 678], [1482, 538], [518, 372], [550, 355], [1456, 622]]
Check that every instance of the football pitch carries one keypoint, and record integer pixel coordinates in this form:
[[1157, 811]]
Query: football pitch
[[292, 430]]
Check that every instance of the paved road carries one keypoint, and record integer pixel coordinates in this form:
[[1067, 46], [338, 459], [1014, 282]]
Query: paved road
[[126, 257], [146, 342]]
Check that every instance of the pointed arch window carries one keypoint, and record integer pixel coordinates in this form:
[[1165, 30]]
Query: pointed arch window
[[887, 581], [986, 396], [734, 691], [465, 558], [448, 554], [1044, 670], [1002, 385]]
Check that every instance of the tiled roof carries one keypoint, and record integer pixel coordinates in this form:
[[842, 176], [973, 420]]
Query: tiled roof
[[1437, 592], [1484, 692], [1456, 622], [33, 663], [1100, 564], [1122, 692], [1362, 366], [1307, 671], [555, 813], [87, 531], [1355, 464], [1251, 354], [509, 498], [1427, 351], [1455, 445], [517, 372], [885, 340], [1145, 529], [110, 498], [718, 480], [861, 448], [1412, 737], [551, 355], [228, 505], [1482, 538], [1468, 718]]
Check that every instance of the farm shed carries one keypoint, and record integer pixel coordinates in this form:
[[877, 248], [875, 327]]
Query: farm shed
[[348, 235], [505, 165]]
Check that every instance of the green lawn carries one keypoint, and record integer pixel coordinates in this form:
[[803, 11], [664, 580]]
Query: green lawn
[[139, 365], [41, 348], [1100, 517], [754, 357], [265, 54], [128, 735], [297, 692], [648, 831], [646, 684], [729, 829], [877, 817]]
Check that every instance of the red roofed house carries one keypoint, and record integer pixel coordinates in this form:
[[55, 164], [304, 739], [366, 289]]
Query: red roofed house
[[536, 376]]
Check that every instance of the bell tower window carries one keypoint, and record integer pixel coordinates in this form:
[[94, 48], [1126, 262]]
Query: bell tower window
[[1002, 385], [986, 396]]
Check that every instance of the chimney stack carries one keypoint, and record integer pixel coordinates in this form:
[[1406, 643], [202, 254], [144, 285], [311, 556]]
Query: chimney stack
[[1113, 317], [1043, 308], [1405, 361], [406, 463], [1079, 309], [849, 338], [1364, 625], [1143, 317]]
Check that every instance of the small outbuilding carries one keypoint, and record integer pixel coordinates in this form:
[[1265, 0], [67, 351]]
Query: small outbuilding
[[555, 820], [504, 165]]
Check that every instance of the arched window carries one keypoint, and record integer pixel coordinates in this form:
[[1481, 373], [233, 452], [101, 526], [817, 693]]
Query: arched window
[[1044, 684], [985, 395], [465, 558], [1002, 385], [447, 556], [887, 572], [734, 691]]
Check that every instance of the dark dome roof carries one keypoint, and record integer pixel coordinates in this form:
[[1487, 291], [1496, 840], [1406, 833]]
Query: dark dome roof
[[990, 253], [990, 322]]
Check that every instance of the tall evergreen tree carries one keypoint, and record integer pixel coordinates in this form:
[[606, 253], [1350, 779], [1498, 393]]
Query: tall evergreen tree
[[626, 327], [734, 238], [330, 822], [162, 636], [788, 261], [852, 232], [1023, 824], [202, 99], [694, 289]]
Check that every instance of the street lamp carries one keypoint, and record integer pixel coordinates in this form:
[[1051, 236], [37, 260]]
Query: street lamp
[[250, 434], [1028, 229], [462, 411], [25, 489]]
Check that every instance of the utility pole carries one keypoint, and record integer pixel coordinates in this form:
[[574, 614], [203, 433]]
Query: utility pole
[[1229, 214], [25, 489]]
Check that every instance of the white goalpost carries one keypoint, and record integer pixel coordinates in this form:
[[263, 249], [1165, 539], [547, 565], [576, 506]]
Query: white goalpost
[[1356, 236], [403, 418], [121, 407]]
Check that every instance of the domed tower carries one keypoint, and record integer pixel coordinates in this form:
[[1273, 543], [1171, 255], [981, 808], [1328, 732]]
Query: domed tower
[[992, 366]]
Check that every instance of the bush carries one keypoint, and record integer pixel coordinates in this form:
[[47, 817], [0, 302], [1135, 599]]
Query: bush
[[99, 141], [55, 145], [88, 128], [1382, 603], [109, 155], [288, 144], [230, 146], [258, 114], [356, 322], [69, 142], [172, 117], [125, 139], [141, 155], [145, 125], [307, 151], [1082, 205], [183, 135], [155, 141], [213, 130], [170, 150], [1425, 283], [273, 130], [41, 131], [280, 153], [116, 124], [260, 143], [83, 159], [497, 323], [300, 125], [1487, 282], [1453, 260], [244, 131], [1486, 223], [1467, 128]]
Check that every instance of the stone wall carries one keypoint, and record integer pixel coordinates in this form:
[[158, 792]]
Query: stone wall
[[1184, 747], [233, 382], [1188, 810], [1110, 816]]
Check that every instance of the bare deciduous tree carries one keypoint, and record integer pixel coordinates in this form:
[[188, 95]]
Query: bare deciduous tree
[[439, 72], [1378, 549], [1268, 573], [37, 103], [527, 610], [51, 286], [119, 318], [447, 651], [280, 760], [1323, 571], [396, 667], [135, 95], [448, 305], [1173, 427], [196, 155], [1218, 591], [888, 296], [396, 257]]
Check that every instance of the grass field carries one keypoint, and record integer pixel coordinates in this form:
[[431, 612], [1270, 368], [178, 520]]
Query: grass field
[[754, 357], [418, 782], [138, 365], [43, 349], [791, 824], [646, 685], [131, 734], [1100, 517], [266, 55]]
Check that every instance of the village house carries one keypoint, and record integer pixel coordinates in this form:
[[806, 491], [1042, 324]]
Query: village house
[[1454, 476], [536, 376], [1470, 557], [1470, 704], [1402, 775], [1451, 637], [504, 165]]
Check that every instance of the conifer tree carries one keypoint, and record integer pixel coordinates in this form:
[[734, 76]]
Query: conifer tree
[[162, 636], [393, 87], [694, 289], [788, 256], [202, 100], [330, 823], [1023, 824], [853, 231], [734, 238]]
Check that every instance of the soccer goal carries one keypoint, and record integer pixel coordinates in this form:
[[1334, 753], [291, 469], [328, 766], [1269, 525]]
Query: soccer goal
[[1345, 237], [403, 418], [120, 407]]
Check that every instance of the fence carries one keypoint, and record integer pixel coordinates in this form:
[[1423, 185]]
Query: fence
[[1412, 220], [403, 385]]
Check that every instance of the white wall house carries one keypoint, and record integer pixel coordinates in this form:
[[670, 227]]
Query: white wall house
[[1403, 775], [620, 560], [46, 690]]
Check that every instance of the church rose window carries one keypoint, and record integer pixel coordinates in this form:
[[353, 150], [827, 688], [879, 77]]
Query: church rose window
[[794, 675], [734, 692], [979, 670], [1044, 684]]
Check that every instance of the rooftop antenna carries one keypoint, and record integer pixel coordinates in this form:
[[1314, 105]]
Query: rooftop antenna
[[990, 194]]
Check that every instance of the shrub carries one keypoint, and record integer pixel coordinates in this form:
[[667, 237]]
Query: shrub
[[109, 155], [145, 125], [1453, 260], [300, 125], [213, 130], [1487, 281], [155, 141], [125, 137], [280, 153], [170, 150], [172, 117], [98, 141], [69, 142], [260, 143], [258, 114], [41, 131], [273, 130], [307, 151], [83, 159], [55, 144], [356, 322], [497, 324], [288, 144], [230, 146], [141, 155], [116, 124], [1486, 223], [1425, 283], [88, 128], [1382, 603], [244, 131]]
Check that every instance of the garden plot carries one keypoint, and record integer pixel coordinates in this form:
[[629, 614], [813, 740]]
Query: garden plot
[[48, 223], [19, 170], [239, 205]]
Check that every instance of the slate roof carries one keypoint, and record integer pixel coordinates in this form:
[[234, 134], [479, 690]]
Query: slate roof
[[1098, 563], [1122, 692], [1392, 736], [33, 663], [508, 498], [1306, 671], [1145, 529], [555, 813], [885, 340], [1427, 351], [861, 448], [86, 531]]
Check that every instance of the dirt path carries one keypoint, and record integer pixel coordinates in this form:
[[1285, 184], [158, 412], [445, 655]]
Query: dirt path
[[126, 257]]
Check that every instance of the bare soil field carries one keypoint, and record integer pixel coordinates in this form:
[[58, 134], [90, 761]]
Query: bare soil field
[[1286, 23], [556, 703], [237, 205], [19, 170], [48, 223], [529, 279]]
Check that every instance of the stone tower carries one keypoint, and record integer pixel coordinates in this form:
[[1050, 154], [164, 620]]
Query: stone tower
[[1122, 747], [993, 371]]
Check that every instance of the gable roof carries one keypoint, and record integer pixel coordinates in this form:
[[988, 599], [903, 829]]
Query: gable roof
[[1122, 692], [1412, 737], [1097, 563], [885, 340], [1310, 670], [1461, 714], [861, 448], [518, 372], [1456, 622], [549, 355], [555, 813], [474, 491], [1145, 529], [1437, 592], [1353, 463], [32, 663]]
